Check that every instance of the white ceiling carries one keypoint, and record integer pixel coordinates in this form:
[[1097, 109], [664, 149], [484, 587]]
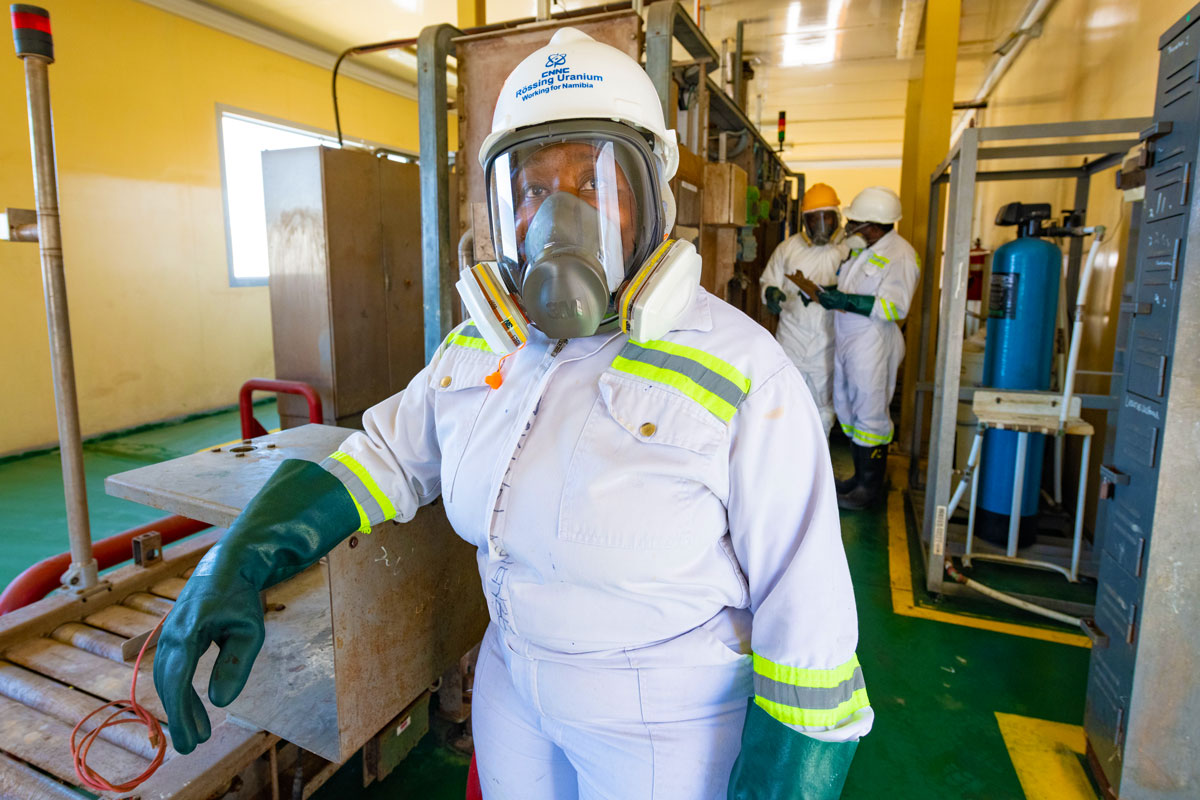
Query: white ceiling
[[836, 66]]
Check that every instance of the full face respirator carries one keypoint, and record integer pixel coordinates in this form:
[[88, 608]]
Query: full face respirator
[[577, 227]]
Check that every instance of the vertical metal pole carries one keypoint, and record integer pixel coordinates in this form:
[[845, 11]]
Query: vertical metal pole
[[1075, 249], [1080, 504], [433, 45], [1014, 513], [978, 449], [950, 340], [932, 269], [739, 91], [82, 573], [543, 9]]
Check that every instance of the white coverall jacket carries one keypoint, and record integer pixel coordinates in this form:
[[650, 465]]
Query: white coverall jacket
[[645, 517], [805, 332], [869, 349]]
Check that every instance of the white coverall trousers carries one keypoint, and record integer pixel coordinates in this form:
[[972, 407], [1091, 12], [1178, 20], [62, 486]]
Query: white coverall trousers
[[547, 730], [865, 366]]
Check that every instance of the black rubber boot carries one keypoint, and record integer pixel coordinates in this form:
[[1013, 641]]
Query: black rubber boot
[[873, 472], [846, 486]]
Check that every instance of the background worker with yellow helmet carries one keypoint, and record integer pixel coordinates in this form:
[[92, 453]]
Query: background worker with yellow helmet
[[806, 328]]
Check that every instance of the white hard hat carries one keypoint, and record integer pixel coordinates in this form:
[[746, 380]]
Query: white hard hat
[[874, 204], [575, 77]]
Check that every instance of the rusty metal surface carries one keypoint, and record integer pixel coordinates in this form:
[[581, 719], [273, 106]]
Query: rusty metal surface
[[18, 782], [38, 739], [484, 61], [291, 689], [66, 705], [206, 771], [215, 486], [406, 605], [42, 617]]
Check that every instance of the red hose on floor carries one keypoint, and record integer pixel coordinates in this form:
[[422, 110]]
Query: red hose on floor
[[44, 577]]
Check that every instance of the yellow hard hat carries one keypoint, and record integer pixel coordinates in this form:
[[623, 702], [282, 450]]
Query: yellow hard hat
[[819, 195]]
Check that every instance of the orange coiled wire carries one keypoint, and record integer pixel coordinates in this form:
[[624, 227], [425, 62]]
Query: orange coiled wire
[[79, 749]]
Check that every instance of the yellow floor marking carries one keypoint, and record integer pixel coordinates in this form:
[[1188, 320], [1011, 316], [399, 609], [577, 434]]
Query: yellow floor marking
[[900, 573], [1044, 755]]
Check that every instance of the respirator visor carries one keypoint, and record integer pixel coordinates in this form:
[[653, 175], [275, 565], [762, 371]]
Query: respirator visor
[[821, 224], [575, 197]]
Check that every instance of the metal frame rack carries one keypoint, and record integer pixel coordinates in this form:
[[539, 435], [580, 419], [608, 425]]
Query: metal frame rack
[[960, 170]]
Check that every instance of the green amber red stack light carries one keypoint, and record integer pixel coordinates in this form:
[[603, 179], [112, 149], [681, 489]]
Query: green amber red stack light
[[31, 31], [782, 128]]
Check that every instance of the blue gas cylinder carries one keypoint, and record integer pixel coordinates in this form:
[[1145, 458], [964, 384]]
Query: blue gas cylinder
[[1022, 315]]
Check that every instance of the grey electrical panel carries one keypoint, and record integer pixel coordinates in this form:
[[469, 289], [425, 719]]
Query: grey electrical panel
[[1142, 716]]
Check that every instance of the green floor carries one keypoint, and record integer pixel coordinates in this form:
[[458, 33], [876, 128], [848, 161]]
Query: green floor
[[935, 687]]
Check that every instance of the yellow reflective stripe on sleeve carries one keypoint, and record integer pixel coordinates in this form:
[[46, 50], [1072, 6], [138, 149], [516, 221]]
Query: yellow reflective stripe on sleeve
[[889, 310], [385, 505], [814, 717], [364, 522], [812, 678]]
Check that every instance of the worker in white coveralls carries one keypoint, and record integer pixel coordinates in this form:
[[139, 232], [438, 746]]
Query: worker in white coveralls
[[874, 290], [645, 479], [806, 327]]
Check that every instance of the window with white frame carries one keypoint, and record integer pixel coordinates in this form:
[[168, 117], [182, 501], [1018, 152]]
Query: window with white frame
[[243, 140]]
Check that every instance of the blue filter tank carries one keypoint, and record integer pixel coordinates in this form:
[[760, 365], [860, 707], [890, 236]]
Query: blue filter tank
[[1022, 311]]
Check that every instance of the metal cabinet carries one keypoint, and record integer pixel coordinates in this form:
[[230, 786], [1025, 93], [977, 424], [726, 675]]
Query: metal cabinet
[[1142, 715], [344, 248]]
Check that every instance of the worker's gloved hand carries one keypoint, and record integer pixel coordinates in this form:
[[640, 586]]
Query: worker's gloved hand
[[299, 515], [835, 300], [779, 763], [775, 299]]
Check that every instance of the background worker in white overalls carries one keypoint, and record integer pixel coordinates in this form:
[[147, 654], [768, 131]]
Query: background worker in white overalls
[[874, 290], [653, 510], [805, 329]]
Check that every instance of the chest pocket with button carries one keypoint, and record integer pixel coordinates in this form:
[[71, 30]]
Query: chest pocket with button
[[459, 393], [648, 472]]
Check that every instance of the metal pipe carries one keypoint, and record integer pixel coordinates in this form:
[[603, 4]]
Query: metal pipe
[[1009, 599], [1034, 12], [39, 579], [1014, 519], [739, 89], [1077, 540], [543, 10], [1077, 328], [82, 573]]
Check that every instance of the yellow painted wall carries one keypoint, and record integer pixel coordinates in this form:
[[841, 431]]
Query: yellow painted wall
[[157, 330], [849, 181]]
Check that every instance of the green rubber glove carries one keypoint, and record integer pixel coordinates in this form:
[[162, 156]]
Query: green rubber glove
[[299, 515], [775, 299], [835, 300], [778, 763]]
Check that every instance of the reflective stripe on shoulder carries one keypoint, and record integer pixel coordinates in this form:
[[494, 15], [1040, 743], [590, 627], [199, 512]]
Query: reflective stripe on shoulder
[[711, 382], [467, 335], [809, 699], [373, 505], [878, 260]]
